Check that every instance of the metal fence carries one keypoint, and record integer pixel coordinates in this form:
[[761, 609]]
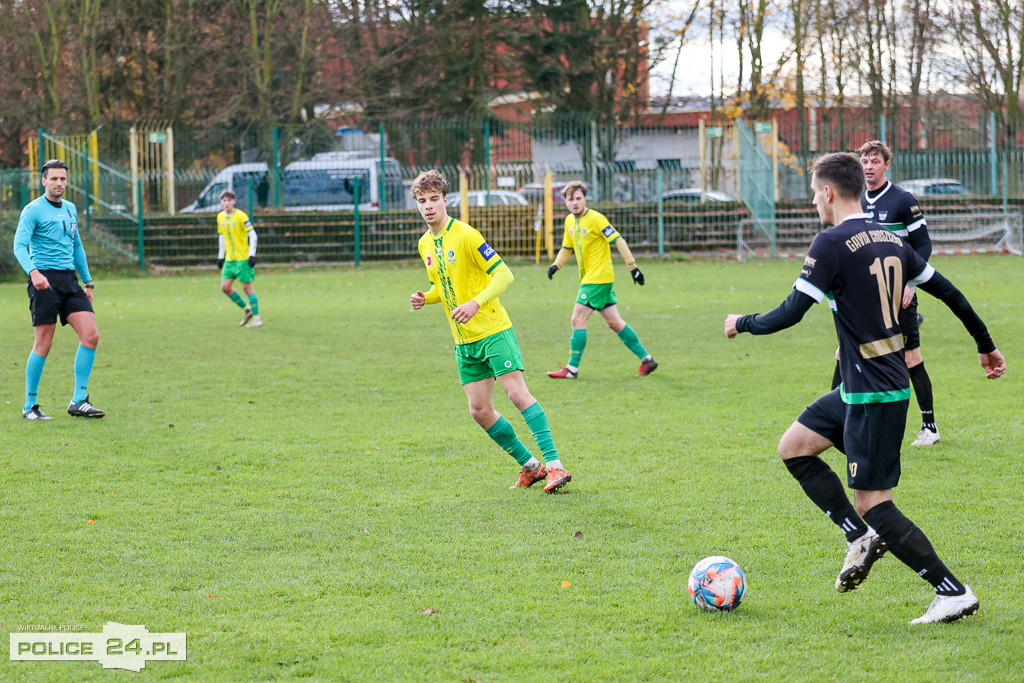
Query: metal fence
[[321, 193]]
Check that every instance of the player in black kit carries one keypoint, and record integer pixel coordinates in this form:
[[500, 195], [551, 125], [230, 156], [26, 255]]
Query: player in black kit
[[898, 210], [862, 269]]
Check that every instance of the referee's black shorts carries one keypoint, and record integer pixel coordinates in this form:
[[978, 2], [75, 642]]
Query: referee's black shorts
[[870, 434], [64, 297]]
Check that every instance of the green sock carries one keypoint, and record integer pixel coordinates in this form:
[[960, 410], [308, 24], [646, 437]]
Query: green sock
[[237, 298], [503, 435], [254, 303], [577, 343], [629, 338], [537, 421]]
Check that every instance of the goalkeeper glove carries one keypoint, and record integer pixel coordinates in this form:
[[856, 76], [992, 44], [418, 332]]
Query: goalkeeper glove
[[551, 271], [220, 263], [252, 261], [638, 277]]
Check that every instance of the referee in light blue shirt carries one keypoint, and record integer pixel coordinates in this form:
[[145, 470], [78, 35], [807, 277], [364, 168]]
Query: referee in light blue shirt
[[49, 248]]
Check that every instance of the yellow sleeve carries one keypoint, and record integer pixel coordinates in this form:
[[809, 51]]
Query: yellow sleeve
[[431, 296], [501, 278]]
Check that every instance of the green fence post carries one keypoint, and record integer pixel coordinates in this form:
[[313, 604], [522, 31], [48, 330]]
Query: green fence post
[[252, 207], [380, 180], [276, 179], [661, 213], [355, 229], [993, 154], [88, 207], [138, 206], [42, 149], [26, 178]]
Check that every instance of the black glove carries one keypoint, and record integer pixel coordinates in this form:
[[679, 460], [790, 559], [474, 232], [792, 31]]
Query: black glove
[[638, 277], [252, 261], [220, 263], [551, 271]]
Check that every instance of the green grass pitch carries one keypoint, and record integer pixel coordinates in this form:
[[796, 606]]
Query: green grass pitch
[[300, 499]]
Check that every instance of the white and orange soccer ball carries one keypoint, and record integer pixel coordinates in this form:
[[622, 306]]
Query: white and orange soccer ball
[[717, 584]]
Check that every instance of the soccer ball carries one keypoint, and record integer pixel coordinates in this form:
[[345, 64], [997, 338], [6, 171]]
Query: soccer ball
[[717, 584]]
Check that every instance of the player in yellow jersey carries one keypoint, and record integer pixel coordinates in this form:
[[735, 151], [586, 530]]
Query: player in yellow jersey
[[589, 235], [466, 276], [236, 257]]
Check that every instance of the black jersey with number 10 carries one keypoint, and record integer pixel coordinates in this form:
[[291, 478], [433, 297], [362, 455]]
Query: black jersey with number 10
[[862, 268]]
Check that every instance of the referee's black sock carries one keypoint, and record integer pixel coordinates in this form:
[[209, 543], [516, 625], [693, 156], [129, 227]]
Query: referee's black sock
[[923, 391], [837, 379], [823, 487], [912, 547]]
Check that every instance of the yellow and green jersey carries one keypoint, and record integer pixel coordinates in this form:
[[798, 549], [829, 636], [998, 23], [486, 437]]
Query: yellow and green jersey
[[459, 265], [590, 238], [234, 229]]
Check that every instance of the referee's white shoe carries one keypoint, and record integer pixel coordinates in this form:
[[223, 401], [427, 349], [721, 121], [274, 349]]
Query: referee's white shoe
[[926, 438]]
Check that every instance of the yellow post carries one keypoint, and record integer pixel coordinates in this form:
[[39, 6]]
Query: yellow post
[[169, 170], [549, 217], [464, 194], [94, 170]]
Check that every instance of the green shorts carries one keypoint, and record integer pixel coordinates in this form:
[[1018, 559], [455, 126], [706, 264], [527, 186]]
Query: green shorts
[[490, 357], [598, 297], [238, 269]]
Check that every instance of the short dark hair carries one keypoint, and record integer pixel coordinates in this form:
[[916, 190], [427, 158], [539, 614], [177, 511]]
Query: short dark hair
[[53, 163], [843, 172], [875, 147], [230, 194]]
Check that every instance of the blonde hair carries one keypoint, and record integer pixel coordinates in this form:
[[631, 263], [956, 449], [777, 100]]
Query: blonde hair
[[572, 186], [429, 181]]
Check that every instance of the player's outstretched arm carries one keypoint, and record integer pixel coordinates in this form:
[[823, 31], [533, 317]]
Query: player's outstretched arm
[[788, 313], [944, 290]]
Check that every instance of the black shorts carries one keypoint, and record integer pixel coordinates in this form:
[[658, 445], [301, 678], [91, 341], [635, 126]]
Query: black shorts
[[870, 434], [64, 297], [908, 323]]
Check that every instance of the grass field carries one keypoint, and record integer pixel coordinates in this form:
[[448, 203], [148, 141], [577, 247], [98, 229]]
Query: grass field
[[300, 499]]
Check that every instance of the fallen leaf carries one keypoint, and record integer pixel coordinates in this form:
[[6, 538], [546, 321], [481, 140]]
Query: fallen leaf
[[578, 534], [566, 584], [210, 595], [429, 610], [92, 521], [170, 425]]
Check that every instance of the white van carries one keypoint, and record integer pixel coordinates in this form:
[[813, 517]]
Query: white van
[[327, 182], [237, 177]]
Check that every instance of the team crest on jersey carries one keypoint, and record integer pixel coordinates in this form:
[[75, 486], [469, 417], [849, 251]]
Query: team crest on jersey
[[608, 230], [882, 215], [429, 258], [486, 251], [451, 255]]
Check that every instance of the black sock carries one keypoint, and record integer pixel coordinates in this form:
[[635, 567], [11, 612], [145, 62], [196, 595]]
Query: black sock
[[923, 390], [823, 487], [837, 378], [912, 547]]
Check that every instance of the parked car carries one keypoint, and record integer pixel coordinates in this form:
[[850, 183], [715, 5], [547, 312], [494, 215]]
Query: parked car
[[693, 195], [933, 187], [534, 192], [488, 198]]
